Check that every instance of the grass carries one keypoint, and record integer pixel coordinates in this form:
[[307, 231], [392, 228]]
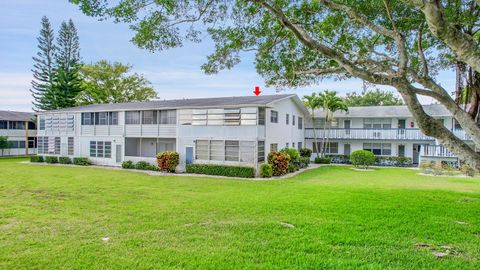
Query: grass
[[55, 218]]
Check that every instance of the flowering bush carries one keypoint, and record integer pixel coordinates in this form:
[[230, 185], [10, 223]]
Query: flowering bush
[[279, 162], [168, 161]]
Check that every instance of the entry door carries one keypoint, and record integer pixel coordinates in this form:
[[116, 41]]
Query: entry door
[[346, 125], [346, 149], [401, 126], [188, 155], [416, 153], [118, 153], [401, 150]]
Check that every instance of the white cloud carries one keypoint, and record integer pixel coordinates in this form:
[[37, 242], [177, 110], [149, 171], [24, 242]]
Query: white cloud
[[14, 91]]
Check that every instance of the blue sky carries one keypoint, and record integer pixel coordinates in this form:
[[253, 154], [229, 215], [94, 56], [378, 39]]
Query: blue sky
[[175, 73]]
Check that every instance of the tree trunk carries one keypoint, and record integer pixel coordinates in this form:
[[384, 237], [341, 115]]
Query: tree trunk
[[435, 128], [315, 141]]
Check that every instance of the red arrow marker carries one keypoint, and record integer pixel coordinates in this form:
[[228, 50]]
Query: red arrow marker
[[257, 91]]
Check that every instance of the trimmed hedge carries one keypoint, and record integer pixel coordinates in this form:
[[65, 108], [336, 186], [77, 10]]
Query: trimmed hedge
[[168, 161], [37, 159], [339, 159], [51, 159], [266, 170], [222, 170], [143, 165], [64, 160], [362, 158], [322, 160], [128, 164], [379, 160], [82, 161]]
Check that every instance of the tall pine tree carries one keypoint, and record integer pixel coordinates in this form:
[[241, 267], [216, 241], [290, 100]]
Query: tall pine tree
[[43, 69], [67, 84]]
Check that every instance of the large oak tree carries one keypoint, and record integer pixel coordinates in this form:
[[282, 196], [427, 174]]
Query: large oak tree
[[402, 44]]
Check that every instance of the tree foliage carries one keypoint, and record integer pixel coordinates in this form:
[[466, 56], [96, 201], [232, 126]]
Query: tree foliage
[[3, 143], [105, 82], [299, 43], [375, 97], [43, 66], [56, 69]]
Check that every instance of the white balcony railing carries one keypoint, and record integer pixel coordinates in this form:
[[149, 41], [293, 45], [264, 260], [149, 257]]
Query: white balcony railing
[[435, 151], [377, 134]]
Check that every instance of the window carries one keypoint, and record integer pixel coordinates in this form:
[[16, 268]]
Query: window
[[273, 147], [199, 117], [293, 145], [320, 123], [16, 144], [293, 120], [300, 122], [201, 149], [3, 124], [331, 148], [217, 151], [261, 151], [287, 145], [287, 119], [377, 123], [169, 117], [232, 117], [300, 146], [87, 119], [248, 116], [32, 126], [274, 116], [100, 149], [16, 125], [379, 149], [132, 118], [185, 117], [31, 142], [231, 150], [70, 146], [261, 116], [247, 151], [113, 118], [149, 117], [57, 146]]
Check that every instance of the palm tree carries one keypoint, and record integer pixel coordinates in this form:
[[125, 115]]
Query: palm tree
[[312, 102], [330, 103]]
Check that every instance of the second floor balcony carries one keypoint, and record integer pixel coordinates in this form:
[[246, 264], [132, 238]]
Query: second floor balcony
[[413, 134]]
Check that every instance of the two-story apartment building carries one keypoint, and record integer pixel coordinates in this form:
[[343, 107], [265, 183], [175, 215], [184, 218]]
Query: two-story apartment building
[[227, 130], [384, 130], [21, 132]]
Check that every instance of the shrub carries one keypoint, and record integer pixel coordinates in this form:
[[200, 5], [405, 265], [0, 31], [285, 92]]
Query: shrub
[[339, 159], [304, 162], [266, 170], [426, 167], [143, 165], [468, 170], [168, 161], [222, 170], [51, 159], [448, 169], [293, 153], [306, 152], [36, 159], [82, 161], [322, 160], [279, 162], [393, 161], [128, 164], [362, 158], [64, 160], [437, 169], [293, 167]]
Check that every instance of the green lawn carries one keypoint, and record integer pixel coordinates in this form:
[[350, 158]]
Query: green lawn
[[55, 218]]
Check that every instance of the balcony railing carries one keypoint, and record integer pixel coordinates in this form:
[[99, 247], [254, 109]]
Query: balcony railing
[[377, 134], [435, 151]]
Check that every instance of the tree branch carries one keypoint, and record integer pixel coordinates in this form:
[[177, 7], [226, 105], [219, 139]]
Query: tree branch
[[421, 52], [464, 46]]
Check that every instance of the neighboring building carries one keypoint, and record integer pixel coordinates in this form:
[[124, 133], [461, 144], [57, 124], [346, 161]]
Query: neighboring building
[[386, 131], [229, 130], [20, 129]]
